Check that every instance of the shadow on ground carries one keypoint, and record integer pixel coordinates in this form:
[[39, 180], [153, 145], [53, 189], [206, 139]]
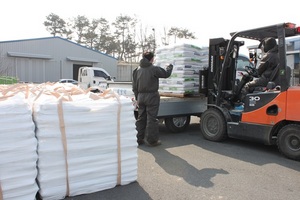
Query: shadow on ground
[[124, 192], [252, 152]]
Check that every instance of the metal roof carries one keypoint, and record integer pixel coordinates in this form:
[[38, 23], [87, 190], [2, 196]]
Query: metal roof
[[56, 37]]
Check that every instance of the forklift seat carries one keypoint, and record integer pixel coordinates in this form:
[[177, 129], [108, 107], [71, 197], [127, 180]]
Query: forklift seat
[[275, 75], [274, 80]]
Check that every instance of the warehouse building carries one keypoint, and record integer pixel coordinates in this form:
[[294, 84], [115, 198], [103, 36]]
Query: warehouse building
[[50, 59]]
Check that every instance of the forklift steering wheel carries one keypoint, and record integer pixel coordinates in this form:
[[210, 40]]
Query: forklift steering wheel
[[251, 70]]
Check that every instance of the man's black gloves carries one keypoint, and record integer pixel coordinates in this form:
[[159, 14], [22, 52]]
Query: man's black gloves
[[170, 67]]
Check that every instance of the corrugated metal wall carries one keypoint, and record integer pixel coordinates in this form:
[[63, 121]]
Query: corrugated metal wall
[[30, 70], [125, 71]]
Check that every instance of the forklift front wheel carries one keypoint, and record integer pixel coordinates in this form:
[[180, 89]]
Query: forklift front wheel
[[177, 124], [213, 125], [288, 141]]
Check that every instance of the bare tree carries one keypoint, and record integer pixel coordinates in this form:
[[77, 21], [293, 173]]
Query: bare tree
[[146, 40], [7, 71], [165, 38]]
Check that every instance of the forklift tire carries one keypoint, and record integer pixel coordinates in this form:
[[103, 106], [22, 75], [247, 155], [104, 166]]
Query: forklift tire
[[288, 141], [177, 124], [213, 125]]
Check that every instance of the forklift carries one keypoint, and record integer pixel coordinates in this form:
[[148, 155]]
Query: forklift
[[270, 114]]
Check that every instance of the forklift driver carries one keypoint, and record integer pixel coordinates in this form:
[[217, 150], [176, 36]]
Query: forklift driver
[[267, 65]]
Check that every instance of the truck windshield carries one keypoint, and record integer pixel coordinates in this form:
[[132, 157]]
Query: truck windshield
[[99, 73]]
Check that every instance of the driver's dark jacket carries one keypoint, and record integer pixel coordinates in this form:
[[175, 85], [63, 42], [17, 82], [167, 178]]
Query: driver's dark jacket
[[268, 63]]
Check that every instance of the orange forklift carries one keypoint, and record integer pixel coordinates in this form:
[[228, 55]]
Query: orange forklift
[[270, 114]]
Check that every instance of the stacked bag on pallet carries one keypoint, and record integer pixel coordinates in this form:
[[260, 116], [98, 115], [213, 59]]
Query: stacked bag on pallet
[[18, 145], [88, 147], [78, 143], [187, 60]]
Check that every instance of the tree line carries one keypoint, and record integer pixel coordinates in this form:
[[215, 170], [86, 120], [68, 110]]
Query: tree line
[[123, 38]]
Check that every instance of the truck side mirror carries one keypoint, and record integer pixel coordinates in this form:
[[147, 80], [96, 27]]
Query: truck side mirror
[[110, 78]]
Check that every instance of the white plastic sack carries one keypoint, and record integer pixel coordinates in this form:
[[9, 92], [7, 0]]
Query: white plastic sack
[[187, 61], [98, 144], [18, 147]]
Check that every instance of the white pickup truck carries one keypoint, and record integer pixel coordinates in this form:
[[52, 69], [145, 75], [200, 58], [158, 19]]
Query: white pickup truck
[[93, 77], [174, 112]]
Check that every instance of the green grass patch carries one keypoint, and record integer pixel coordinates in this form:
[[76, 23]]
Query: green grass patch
[[8, 80]]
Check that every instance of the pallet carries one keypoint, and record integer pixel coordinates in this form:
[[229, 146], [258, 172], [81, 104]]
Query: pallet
[[170, 94]]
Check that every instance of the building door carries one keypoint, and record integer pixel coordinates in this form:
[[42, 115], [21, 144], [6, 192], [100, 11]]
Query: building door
[[30, 70]]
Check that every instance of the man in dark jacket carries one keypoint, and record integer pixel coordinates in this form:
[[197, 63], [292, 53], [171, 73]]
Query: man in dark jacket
[[267, 65], [145, 85]]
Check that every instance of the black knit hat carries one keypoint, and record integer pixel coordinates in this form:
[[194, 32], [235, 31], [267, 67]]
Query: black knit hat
[[148, 55], [269, 43]]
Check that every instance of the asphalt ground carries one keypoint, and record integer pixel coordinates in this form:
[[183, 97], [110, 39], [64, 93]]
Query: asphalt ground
[[188, 167]]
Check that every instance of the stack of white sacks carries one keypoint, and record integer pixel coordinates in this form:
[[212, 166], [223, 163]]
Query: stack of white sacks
[[84, 142], [187, 60], [18, 145]]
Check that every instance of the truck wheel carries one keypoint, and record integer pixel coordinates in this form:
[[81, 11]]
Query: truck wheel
[[288, 141], [177, 124], [213, 125]]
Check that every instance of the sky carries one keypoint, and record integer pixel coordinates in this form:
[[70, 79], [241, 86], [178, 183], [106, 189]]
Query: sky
[[23, 19]]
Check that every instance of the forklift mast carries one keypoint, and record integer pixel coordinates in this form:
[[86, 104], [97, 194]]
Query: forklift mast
[[220, 76]]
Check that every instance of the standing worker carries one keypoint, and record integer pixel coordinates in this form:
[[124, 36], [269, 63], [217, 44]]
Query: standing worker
[[145, 85]]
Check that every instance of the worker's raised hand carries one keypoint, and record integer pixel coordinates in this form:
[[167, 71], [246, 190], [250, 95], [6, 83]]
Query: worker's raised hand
[[170, 67]]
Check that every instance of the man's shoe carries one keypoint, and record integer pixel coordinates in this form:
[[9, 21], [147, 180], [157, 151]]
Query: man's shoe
[[154, 144]]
